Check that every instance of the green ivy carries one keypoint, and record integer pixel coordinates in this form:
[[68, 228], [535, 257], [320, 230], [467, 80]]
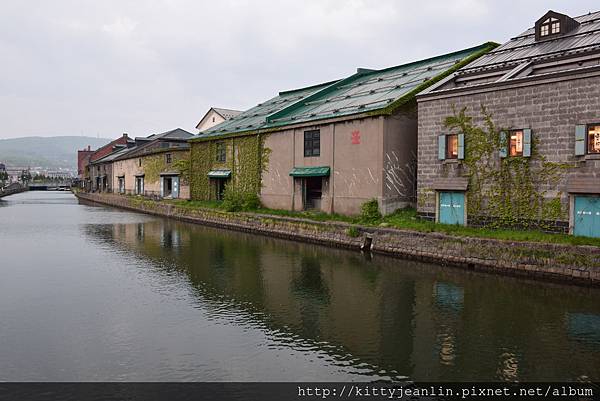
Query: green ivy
[[247, 158], [509, 190], [369, 211], [155, 164]]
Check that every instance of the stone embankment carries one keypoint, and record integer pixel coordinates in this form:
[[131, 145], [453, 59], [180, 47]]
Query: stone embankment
[[12, 189], [557, 262]]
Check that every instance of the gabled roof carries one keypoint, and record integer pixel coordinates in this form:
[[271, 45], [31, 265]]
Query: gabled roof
[[255, 118], [176, 135], [114, 155], [225, 113], [524, 47], [370, 90], [108, 147], [365, 92]]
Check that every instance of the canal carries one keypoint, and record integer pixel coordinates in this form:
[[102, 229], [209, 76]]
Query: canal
[[91, 293]]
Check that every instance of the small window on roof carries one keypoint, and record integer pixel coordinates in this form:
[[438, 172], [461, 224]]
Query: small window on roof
[[550, 26]]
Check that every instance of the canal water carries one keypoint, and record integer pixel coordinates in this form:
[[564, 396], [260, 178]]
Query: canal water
[[92, 293]]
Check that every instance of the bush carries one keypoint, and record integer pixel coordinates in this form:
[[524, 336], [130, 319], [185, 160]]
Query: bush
[[370, 212], [235, 201], [352, 232]]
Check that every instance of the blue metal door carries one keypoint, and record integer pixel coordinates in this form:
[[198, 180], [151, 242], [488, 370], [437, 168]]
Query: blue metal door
[[452, 208], [587, 216]]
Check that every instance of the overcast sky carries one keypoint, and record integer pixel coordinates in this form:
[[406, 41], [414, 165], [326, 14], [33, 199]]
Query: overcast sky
[[100, 68]]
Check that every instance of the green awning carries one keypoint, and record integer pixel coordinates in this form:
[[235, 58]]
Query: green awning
[[310, 171], [219, 174]]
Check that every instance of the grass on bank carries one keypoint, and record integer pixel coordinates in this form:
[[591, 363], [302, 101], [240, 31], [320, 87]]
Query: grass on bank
[[407, 219]]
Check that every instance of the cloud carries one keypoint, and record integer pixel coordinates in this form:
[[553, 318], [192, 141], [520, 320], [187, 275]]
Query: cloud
[[91, 67]]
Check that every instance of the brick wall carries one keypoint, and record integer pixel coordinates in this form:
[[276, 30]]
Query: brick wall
[[551, 110]]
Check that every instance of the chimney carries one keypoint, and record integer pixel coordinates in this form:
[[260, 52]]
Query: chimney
[[89, 148]]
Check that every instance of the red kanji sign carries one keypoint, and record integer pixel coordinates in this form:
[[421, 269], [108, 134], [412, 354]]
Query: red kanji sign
[[355, 137]]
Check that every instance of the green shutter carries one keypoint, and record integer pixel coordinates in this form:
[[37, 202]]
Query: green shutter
[[526, 142], [580, 140], [503, 145], [442, 147], [461, 146]]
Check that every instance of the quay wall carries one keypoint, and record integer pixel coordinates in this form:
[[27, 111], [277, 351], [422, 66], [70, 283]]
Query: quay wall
[[575, 264]]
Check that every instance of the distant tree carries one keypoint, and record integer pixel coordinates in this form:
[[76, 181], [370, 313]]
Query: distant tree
[[3, 177], [25, 177]]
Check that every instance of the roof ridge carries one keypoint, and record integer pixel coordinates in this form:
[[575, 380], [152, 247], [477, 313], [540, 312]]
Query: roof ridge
[[524, 34], [362, 72], [430, 59], [287, 92]]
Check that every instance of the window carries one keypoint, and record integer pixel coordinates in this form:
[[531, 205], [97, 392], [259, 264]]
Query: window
[[312, 143], [221, 152], [550, 27], [213, 120], [556, 27], [452, 146], [515, 145], [139, 162], [139, 185], [593, 142], [168, 158]]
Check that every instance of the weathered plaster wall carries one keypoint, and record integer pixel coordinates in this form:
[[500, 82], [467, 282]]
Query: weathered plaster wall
[[372, 157], [130, 168]]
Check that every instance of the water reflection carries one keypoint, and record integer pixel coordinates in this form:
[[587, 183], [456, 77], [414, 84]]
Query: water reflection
[[384, 317]]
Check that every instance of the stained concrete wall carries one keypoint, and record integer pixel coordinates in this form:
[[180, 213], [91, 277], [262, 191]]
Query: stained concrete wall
[[371, 157], [130, 168]]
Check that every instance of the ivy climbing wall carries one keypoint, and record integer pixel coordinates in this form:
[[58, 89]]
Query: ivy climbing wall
[[246, 157], [513, 186], [152, 165]]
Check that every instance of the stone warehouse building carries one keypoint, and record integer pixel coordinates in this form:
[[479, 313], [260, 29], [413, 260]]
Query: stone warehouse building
[[542, 161], [328, 147], [98, 169], [156, 167]]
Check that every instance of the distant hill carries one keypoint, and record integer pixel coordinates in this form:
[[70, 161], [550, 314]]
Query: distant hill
[[47, 152]]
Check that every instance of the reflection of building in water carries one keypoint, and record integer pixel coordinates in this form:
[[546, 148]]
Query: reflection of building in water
[[508, 367], [448, 295], [584, 327], [418, 320], [336, 299]]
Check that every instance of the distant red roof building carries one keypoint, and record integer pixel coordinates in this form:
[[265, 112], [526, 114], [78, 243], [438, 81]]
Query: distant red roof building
[[86, 156]]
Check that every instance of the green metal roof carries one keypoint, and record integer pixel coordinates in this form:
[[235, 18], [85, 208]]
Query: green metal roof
[[322, 171], [255, 118], [366, 91], [219, 173]]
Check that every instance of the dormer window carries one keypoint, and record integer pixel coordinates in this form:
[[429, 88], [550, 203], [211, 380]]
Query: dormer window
[[554, 24], [551, 26]]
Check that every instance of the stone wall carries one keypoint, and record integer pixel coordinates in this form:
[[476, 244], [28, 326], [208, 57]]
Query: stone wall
[[551, 110], [12, 189], [565, 263]]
